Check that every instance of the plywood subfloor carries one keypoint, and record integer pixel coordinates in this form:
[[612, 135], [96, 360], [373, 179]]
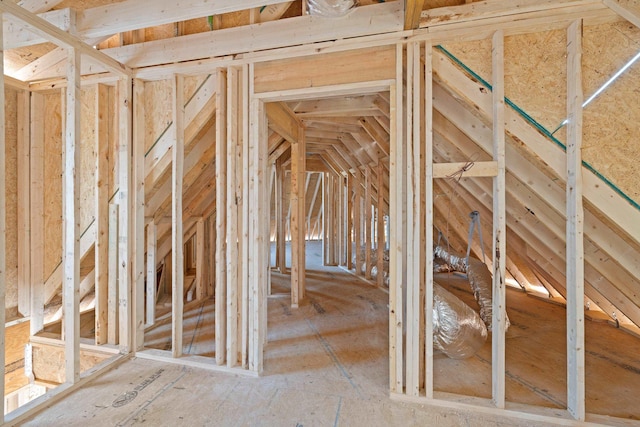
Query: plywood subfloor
[[326, 363]]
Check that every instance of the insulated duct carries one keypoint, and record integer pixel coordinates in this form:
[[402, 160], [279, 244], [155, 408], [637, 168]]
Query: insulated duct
[[479, 277], [458, 331], [330, 8]]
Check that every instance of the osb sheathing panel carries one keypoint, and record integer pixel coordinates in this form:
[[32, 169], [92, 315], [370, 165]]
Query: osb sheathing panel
[[370, 64], [52, 182], [11, 208], [160, 32], [158, 106], [534, 72], [612, 121]]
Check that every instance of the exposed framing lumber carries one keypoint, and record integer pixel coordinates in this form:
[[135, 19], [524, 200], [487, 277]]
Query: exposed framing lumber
[[151, 273], [629, 10], [102, 213], [70, 220], [575, 223], [200, 261], [429, 216], [221, 215], [297, 206], [380, 225], [138, 222], [62, 38], [3, 224], [177, 248], [112, 297], [412, 11], [124, 113], [281, 252], [357, 221], [23, 203], [499, 247], [37, 214]]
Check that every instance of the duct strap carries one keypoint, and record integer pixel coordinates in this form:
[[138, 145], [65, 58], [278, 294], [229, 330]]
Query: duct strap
[[475, 222]]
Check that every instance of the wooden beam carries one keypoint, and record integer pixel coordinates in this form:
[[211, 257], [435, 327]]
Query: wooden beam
[[64, 39], [429, 220], [70, 220], [575, 223], [200, 261], [283, 121], [498, 322], [138, 222], [297, 206], [629, 10], [3, 224], [280, 219], [23, 203], [37, 214], [102, 213], [112, 294], [124, 113], [177, 248], [412, 11], [221, 217], [151, 273]]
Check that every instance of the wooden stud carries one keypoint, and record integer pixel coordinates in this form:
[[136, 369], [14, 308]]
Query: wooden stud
[[177, 247], [124, 95], [23, 201], [575, 223], [3, 224], [499, 225], [112, 292], [396, 215], [380, 224], [200, 261], [37, 214], [366, 217], [349, 221], [428, 137], [221, 215], [102, 213], [151, 273], [357, 222], [281, 249], [138, 222], [243, 302], [71, 220], [297, 204]]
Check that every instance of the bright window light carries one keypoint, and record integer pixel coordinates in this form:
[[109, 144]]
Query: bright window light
[[603, 87]]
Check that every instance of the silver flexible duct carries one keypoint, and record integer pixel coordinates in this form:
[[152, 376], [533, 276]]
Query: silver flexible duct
[[458, 331], [480, 279], [330, 8]]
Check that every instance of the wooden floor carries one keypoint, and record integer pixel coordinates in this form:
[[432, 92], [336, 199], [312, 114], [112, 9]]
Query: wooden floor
[[326, 363]]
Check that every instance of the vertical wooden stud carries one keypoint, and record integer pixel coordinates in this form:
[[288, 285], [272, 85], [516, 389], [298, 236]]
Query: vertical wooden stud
[[575, 224], [151, 273], [3, 222], [298, 174], [221, 218], [102, 213], [37, 213], [428, 137], [23, 202]]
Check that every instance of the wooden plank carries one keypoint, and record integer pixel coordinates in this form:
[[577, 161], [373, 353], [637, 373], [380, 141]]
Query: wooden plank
[[498, 322], [124, 97], [177, 248], [102, 213], [380, 244], [113, 272], [297, 206], [465, 169], [628, 10], [151, 273], [49, 31], [396, 253], [575, 223], [357, 221], [37, 214], [3, 224], [200, 261], [221, 215], [234, 193], [246, 87], [429, 200], [283, 121], [374, 19], [70, 220], [23, 201], [280, 219], [138, 221], [412, 11]]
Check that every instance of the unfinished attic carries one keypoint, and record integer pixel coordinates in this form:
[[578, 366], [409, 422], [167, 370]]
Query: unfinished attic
[[328, 212]]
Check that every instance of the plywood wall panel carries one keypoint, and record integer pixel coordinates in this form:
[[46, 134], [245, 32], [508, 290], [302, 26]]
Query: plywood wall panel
[[87, 156], [158, 107]]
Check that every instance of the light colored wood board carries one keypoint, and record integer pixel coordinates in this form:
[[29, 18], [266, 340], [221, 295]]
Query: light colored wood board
[[193, 26], [160, 32], [11, 200], [88, 156], [157, 98], [326, 69], [191, 85], [474, 54], [48, 362], [52, 122]]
